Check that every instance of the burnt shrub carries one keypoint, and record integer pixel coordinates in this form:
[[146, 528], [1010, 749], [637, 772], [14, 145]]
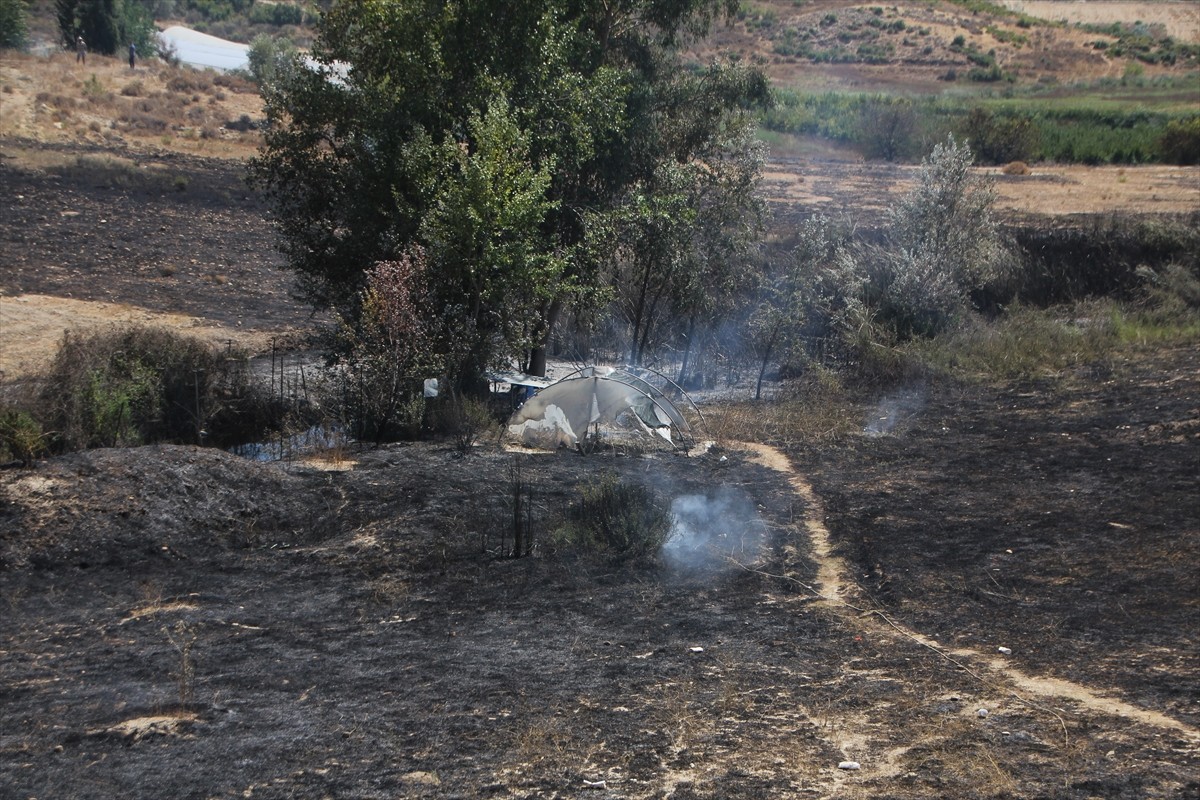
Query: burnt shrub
[[619, 518], [1101, 257]]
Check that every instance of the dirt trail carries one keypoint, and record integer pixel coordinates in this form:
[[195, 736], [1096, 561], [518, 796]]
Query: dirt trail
[[834, 589]]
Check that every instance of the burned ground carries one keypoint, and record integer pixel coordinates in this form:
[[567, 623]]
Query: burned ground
[[162, 231], [181, 620], [1059, 518]]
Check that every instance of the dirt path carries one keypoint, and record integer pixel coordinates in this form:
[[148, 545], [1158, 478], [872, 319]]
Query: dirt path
[[834, 589]]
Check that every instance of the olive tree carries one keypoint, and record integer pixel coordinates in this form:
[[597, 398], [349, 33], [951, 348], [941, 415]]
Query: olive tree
[[944, 243], [14, 23], [106, 25], [493, 134]]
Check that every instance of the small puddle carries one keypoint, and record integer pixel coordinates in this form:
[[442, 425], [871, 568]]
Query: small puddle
[[298, 445]]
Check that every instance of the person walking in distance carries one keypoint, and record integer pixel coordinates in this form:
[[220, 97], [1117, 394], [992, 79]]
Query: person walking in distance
[[80, 50], [132, 54]]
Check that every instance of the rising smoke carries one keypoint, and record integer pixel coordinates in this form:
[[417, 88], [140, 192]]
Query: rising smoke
[[712, 531], [894, 410]]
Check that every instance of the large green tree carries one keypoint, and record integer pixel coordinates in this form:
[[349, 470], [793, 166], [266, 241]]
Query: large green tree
[[14, 23], [106, 25], [493, 133]]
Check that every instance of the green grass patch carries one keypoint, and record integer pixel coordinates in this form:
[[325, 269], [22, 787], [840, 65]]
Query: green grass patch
[[1128, 127], [1028, 343], [1025, 343]]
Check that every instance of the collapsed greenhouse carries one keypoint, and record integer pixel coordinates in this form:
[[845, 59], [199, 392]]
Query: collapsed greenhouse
[[603, 404]]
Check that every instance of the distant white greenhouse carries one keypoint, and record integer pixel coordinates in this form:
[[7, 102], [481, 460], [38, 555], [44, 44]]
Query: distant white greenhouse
[[201, 50]]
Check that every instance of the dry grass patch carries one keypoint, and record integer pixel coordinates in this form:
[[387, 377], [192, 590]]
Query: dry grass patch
[[51, 98], [817, 409]]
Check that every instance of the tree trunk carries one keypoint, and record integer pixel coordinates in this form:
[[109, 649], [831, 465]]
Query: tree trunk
[[537, 356], [687, 351], [635, 353], [762, 369]]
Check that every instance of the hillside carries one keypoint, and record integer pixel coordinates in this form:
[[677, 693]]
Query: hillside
[[915, 47]]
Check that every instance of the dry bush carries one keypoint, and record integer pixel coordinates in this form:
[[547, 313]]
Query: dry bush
[[815, 410], [133, 385], [467, 421], [238, 84], [1016, 168], [189, 81], [142, 121], [133, 89], [55, 100], [101, 101]]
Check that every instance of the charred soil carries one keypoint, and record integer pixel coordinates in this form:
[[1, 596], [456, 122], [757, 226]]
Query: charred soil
[[182, 622]]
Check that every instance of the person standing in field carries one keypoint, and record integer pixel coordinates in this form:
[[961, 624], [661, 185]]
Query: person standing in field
[[80, 50], [132, 54]]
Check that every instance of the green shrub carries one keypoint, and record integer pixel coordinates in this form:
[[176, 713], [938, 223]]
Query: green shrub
[[1000, 139], [276, 14], [1180, 142], [943, 244], [21, 437], [136, 385], [14, 23], [619, 518], [272, 59], [114, 396]]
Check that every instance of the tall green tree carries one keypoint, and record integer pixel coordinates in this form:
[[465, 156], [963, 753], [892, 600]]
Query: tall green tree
[[491, 132], [14, 23], [106, 25], [680, 239]]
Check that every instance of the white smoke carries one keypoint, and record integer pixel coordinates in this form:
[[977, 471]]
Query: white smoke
[[893, 410], [713, 531]]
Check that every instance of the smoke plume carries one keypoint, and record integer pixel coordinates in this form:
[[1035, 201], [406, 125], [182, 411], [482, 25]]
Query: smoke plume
[[714, 530], [893, 410]]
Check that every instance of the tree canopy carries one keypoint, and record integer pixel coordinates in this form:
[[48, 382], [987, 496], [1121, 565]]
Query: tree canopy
[[496, 135], [106, 25]]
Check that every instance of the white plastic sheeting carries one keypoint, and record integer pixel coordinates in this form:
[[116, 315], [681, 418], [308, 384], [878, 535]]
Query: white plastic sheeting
[[201, 50], [596, 400]]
